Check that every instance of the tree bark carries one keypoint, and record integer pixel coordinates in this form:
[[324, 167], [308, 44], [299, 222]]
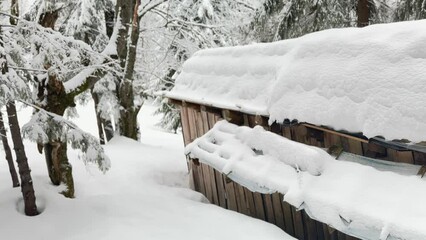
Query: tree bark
[[8, 152], [363, 13], [58, 166], [105, 128], [52, 92], [127, 41], [21, 158]]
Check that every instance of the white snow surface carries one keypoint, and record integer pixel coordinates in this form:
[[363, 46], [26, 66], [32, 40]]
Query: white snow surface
[[144, 195], [356, 199], [369, 80]]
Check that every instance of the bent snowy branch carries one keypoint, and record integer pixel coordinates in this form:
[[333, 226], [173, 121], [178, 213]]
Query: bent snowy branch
[[43, 122]]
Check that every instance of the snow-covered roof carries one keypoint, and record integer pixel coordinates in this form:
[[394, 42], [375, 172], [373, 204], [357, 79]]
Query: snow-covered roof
[[370, 80], [363, 201]]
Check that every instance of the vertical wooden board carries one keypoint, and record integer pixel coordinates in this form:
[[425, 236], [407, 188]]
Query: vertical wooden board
[[299, 133], [327, 140], [214, 186], [276, 128], [185, 125], [241, 200], [192, 124], [329, 232], [419, 158], [199, 123], [258, 202], [220, 189], [251, 120], [195, 176], [202, 184], [211, 119], [341, 236], [298, 224], [204, 119], [391, 155], [197, 170], [310, 227], [315, 137], [269, 209], [320, 230], [207, 182], [278, 211], [344, 143], [355, 147], [288, 217], [286, 132], [405, 157], [231, 201], [250, 201]]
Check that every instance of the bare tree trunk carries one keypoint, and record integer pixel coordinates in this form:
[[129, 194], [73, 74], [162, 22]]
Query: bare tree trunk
[[105, 129], [52, 92], [8, 152], [21, 158], [59, 168], [363, 12], [127, 41]]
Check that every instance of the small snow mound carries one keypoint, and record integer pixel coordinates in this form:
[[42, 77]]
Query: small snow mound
[[40, 202]]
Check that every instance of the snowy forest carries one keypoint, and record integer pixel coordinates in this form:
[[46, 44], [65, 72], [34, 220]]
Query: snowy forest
[[114, 58]]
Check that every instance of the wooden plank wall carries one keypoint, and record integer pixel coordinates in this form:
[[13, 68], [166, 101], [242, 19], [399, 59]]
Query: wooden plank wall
[[222, 191]]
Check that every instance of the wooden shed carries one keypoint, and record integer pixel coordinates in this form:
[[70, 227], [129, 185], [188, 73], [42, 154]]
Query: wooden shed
[[338, 90]]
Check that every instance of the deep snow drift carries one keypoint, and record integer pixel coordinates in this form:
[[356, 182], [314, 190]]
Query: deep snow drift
[[369, 80], [144, 195], [353, 198]]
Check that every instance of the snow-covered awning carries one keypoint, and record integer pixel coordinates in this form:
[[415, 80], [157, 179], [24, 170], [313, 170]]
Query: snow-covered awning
[[370, 80], [364, 201]]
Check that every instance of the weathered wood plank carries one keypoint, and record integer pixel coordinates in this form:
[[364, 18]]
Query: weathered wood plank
[[258, 202], [286, 132], [195, 176], [185, 125], [355, 147], [400, 156], [329, 232], [250, 201], [299, 133], [193, 132], [233, 117], [341, 236], [278, 211], [242, 203], [298, 224], [220, 189], [269, 210], [231, 200], [419, 158], [288, 217], [214, 186], [320, 230], [310, 227]]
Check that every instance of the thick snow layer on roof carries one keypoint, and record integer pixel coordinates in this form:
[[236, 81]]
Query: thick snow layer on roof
[[370, 80], [356, 199]]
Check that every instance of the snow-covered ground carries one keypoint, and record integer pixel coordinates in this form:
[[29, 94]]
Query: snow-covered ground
[[145, 195]]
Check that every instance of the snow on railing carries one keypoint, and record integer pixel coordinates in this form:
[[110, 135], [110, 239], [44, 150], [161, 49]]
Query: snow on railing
[[356, 199]]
